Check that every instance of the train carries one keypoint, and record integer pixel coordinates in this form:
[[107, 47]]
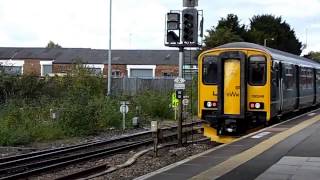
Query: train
[[244, 85]]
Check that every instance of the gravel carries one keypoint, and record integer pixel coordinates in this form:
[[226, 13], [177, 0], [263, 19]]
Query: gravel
[[144, 164], [111, 161], [166, 156]]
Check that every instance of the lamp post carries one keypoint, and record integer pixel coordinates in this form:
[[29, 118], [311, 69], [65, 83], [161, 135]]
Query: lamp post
[[109, 53], [265, 41]]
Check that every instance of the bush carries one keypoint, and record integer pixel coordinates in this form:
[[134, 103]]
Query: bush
[[154, 104], [21, 124], [78, 98]]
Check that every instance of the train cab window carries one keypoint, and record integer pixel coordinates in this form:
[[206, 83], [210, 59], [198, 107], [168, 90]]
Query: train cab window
[[210, 70], [257, 70]]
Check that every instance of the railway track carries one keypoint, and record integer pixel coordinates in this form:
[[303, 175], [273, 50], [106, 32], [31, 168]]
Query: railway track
[[26, 165]]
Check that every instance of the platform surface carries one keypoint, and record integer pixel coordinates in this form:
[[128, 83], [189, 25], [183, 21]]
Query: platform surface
[[289, 150]]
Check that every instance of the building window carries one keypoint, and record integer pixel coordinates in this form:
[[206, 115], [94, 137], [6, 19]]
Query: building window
[[96, 71], [167, 74], [190, 71], [11, 70], [46, 70], [141, 73], [116, 74], [12, 67]]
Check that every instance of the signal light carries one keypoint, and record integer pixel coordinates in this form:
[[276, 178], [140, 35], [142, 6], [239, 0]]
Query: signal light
[[179, 94], [190, 25], [173, 21], [173, 25], [172, 37]]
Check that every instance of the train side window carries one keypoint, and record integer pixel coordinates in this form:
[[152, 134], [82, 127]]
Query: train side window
[[257, 70], [289, 80], [303, 78], [310, 79], [318, 80], [274, 81], [210, 70]]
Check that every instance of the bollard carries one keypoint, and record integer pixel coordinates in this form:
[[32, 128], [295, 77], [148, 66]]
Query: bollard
[[155, 136]]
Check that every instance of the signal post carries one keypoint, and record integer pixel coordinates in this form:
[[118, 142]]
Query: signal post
[[182, 30]]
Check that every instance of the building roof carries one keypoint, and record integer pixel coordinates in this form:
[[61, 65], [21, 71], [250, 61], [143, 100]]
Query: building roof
[[97, 56], [275, 54]]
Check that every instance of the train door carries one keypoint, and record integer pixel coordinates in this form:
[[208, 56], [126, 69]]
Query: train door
[[232, 83], [276, 101], [289, 91], [232, 87]]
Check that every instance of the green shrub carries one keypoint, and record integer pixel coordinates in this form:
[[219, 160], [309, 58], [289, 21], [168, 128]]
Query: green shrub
[[78, 98], [154, 104]]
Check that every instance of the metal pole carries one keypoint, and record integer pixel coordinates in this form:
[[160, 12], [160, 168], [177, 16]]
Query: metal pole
[[265, 42], [180, 101], [124, 119], [109, 53], [180, 61]]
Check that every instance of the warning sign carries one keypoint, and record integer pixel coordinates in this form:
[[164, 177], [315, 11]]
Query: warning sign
[[174, 100]]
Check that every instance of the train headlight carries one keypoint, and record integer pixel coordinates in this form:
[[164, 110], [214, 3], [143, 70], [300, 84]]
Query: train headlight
[[209, 104], [214, 104], [252, 105], [256, 105]]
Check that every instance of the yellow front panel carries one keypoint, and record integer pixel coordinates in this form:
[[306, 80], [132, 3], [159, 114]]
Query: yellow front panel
[[206, 92], [232, 87], [260, 93]]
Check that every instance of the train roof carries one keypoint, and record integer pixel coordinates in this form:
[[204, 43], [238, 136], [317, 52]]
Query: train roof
[[275, 54]]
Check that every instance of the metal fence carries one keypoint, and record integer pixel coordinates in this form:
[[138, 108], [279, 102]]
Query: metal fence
[[132, 86]]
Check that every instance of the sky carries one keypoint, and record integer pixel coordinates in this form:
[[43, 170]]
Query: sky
[[136, 24]]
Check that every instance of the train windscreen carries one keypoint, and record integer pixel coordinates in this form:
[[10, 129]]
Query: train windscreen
[[209, 70], [257, 70]]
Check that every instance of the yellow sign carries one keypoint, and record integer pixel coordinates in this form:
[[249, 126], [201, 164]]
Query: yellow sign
[[174, 100]]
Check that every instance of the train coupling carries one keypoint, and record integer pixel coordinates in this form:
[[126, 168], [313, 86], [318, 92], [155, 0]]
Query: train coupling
[[228, 127]]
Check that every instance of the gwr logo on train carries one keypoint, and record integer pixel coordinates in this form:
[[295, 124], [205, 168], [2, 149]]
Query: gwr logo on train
[[233, 94]]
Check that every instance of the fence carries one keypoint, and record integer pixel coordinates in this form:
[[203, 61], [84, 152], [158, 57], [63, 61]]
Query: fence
[[132, 86]]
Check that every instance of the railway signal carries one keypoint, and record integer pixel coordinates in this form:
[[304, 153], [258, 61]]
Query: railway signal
[[182, 31], [173, 27], [190, 25]]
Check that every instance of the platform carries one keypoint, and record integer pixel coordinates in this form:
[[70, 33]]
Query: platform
[[289, 150]]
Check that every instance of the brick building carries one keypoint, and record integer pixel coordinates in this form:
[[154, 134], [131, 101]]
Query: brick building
[[125, 63]]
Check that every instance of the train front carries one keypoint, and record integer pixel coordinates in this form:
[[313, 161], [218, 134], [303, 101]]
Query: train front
[[234, 92]]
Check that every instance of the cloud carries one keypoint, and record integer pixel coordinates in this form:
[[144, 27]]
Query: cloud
[[287, 8], [316, 26], [137, 24], [69, 23]]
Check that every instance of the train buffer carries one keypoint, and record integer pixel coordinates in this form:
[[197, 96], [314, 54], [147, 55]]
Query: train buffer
[[288, 150]]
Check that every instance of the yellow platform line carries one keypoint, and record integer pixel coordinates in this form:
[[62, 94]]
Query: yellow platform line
[[237, 160]]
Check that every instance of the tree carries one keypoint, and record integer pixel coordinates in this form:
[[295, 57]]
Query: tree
[[51, 44], [220, 36], [261, 27], [227, 30], [232, 22], [270, 27], [313, 55]]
